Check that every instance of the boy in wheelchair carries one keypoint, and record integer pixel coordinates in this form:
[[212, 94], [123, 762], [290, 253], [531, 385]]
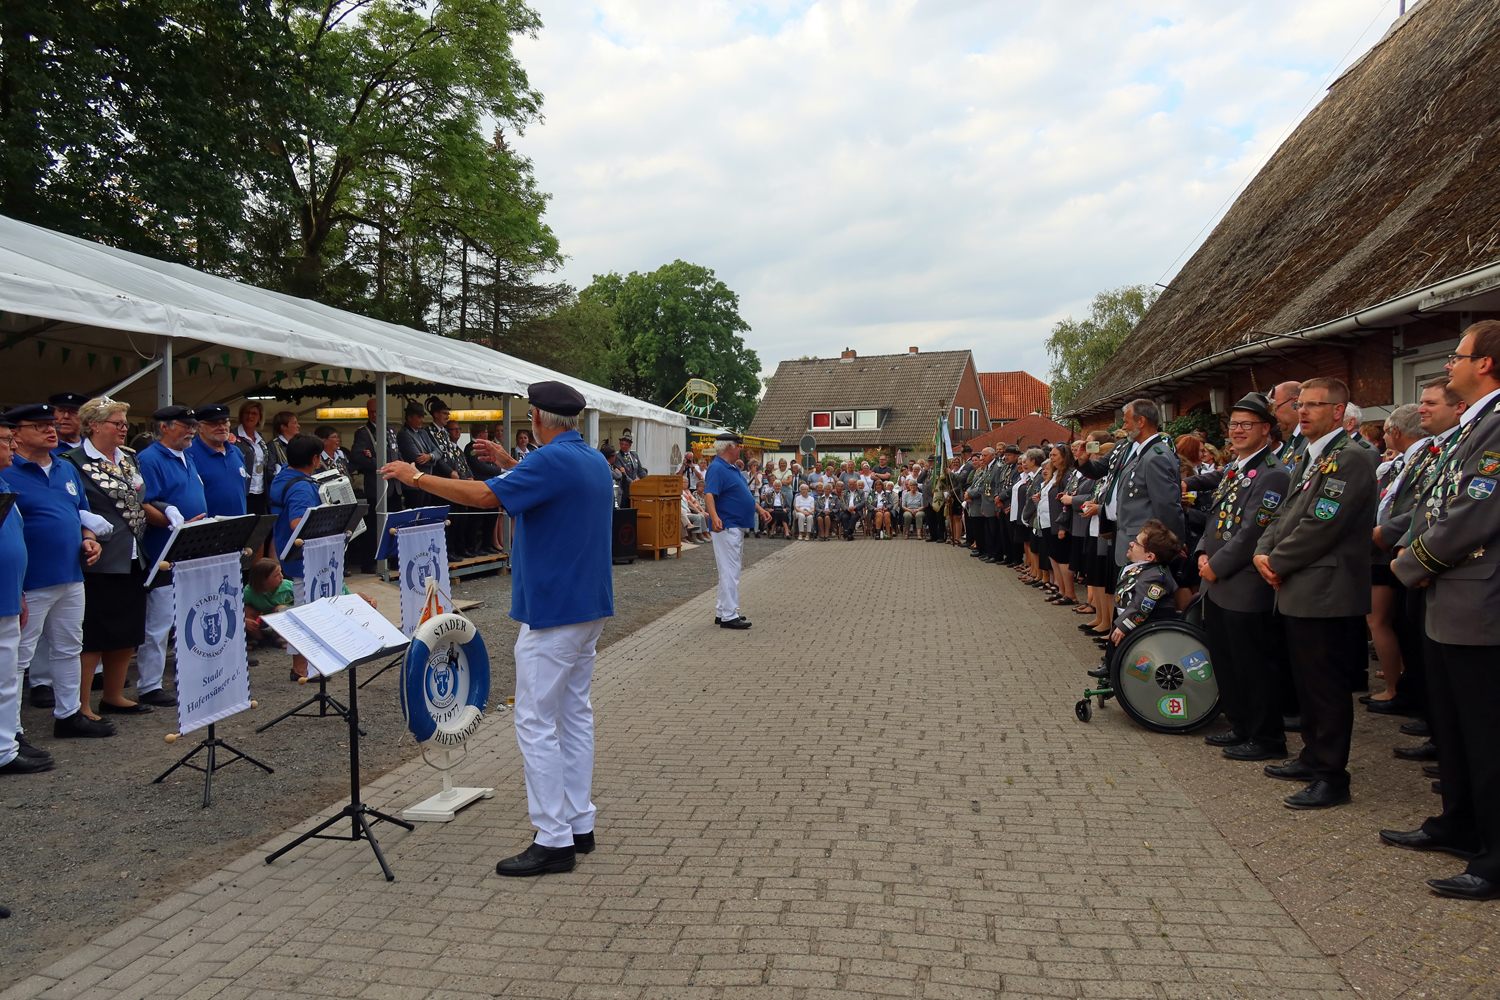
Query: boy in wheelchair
[[1146, 586]]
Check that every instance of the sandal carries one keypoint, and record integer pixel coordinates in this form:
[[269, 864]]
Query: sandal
[[1085, 609], [1062, 602]]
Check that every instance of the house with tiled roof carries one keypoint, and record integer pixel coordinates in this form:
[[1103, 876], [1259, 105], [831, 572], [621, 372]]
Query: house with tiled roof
[[1013, 395], [862, 405], [1027, 432]]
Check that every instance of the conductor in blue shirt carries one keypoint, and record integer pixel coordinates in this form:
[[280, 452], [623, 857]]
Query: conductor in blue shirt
[[562, 498], [731, 513]]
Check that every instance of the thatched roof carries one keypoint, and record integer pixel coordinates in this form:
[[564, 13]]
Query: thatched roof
[[1388, 186]]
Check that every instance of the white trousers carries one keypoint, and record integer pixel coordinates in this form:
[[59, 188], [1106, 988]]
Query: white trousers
[[38, 672], [56, 612], [151, 655], [729, 550], [10, 687], [555, 727], [805, 522]]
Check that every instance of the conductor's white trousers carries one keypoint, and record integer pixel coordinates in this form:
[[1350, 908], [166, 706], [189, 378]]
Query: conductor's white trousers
[[729, 549], [555, 727]]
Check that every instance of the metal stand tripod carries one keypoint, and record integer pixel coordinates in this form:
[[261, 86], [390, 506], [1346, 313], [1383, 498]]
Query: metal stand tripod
[[326, 703], [211, 744], [360, 816]]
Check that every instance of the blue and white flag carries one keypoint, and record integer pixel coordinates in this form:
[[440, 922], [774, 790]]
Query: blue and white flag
[[322, 568], [422, 553], [213, 676]]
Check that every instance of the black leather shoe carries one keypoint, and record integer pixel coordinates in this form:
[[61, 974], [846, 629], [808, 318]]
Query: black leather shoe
[[1465, 886], [583, 843], [1393, 706], [1437, 788], [1416, 727], [1318, 795], [27, 750], [21, 764], [1432, 770], [159, 697], [41, 696], [736, 623], [1099, 673], [1419, 840], [1292, 770], [79, 727], [538, 860], [105, 708], [1251, 750], [1291, 723], [1427, 751], [1229, 739]]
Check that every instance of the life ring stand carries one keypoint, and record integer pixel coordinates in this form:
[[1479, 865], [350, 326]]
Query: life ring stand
[[437, 631]]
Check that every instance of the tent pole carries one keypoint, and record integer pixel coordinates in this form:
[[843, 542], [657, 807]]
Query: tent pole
[[164, 375], [593, 427], [505, 439], [378, 496]]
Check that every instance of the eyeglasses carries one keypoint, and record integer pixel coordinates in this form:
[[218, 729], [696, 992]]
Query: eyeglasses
[[122, 424], [1245, 425], [1299, 405], [1454, 359]]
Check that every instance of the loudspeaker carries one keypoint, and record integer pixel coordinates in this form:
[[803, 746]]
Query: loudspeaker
[[623, 537]]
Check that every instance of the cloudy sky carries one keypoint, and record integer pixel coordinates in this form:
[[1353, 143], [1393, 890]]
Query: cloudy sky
[[946, 174]]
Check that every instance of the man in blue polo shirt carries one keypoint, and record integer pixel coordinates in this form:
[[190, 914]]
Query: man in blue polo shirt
[[55, 517], [16, 755], [292, 493], [562, 589], [731, 513], [220, 466], [175, 489]]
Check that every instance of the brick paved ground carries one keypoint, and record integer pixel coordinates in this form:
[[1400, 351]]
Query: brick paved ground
[[865, 795]]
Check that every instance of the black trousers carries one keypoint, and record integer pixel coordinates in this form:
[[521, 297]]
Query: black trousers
[[850, 520], [1411, 633], [994, 539], [1463, 684], [1246, 672], [1324, 654], [975, 532], [1276, 652], [937, 525]]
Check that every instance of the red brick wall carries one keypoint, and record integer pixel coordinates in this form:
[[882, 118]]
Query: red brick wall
[[969, 397]]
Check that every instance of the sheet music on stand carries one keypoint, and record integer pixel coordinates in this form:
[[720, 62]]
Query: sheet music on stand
[[333, 634]]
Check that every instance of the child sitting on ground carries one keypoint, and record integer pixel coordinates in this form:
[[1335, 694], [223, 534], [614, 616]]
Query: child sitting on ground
[[1143, 584], [268, 592]]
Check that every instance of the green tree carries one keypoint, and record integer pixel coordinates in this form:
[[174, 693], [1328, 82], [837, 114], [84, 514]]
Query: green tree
[[1079, 349], [675, 323]]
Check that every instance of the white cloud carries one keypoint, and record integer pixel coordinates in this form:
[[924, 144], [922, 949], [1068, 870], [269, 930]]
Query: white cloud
[[946, 174]]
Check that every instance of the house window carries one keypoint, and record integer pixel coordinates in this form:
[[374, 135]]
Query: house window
[[843, 420], [974, 419], [821, 421], [958, 418], [866, 419]]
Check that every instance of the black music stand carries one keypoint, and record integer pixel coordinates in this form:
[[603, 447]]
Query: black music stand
[[196, 541], [360, 816], [320, 522]]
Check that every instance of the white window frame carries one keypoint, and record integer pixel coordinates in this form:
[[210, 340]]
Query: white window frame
[[958, 418], [874, 418], [812, 426], [843, 415], [973, 418]]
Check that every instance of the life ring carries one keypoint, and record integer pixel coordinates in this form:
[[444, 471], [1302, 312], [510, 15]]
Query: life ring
[[445, 681]]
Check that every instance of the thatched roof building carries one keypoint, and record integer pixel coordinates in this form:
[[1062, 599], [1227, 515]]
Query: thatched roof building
[[1360, 250]]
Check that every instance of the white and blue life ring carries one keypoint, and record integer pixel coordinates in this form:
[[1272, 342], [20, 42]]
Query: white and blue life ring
[[445, 681]]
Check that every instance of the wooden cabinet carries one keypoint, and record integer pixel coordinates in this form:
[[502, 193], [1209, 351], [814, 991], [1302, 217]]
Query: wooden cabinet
[[658, 504]]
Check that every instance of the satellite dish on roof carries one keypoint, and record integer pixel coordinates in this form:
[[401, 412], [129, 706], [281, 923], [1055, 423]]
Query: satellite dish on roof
[[808, 444]]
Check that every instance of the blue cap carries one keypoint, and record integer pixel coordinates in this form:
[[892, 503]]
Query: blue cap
[[167, 413], [211, 411], [68, 400], [35, 412]]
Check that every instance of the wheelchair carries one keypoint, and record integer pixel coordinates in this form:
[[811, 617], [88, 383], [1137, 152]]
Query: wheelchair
[[1161, 675]]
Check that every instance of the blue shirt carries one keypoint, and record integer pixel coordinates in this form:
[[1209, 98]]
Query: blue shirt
[[291, 494], [562, 498], [225, 481], [50, 501], [12, 558], [732, 500], [170, 482]]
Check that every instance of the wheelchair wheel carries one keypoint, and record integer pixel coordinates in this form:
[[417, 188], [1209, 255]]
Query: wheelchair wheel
[[1163, 679], [1083, 710]]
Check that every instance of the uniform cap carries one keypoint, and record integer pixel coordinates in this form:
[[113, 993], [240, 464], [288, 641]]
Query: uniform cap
[[624, 435], [36, 412], [1258, 404], [730, 436], [558, 398], [213, 411], [69, 400], [414, 409], [1011, 449], [435, 403], [173, 413]]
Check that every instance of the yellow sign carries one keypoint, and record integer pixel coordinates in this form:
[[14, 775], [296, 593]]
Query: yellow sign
[[341, 413], [462, 416]]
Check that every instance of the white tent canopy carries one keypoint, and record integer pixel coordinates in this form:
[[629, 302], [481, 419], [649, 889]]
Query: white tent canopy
[[101, 303]]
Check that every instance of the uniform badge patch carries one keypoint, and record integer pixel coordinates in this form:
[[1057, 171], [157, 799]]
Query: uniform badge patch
[[1489, 463], [1156, 590], [1197, 666], [1325, 509], [1173, 706], [1141, 668], [1271, 500], [1263, 518], [72, 489], [1334, 488], [1480, 489]]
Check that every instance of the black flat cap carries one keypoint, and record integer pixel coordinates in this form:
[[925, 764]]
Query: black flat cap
[[730, 436], [1012, 449], [1258, 404], [173, 413], [414, 409], [35, 412], [555, 397], [213, 411], [68, 400]]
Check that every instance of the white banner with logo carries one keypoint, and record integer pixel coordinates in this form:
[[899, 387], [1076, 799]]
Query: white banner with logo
[[423, 555], [213, 676], [322, 569]]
